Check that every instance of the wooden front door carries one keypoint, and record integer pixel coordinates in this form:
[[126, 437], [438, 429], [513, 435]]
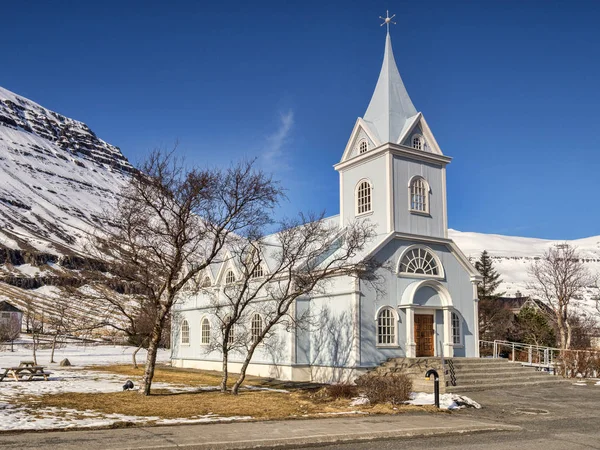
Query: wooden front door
[[424, 334]]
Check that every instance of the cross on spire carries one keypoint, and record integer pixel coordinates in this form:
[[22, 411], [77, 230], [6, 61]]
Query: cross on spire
[[387, 20]]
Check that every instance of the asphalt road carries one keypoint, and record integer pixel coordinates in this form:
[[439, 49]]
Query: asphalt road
[[553, 417]]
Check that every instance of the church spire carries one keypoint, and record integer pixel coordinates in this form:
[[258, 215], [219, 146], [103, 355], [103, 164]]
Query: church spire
[[390, 107]]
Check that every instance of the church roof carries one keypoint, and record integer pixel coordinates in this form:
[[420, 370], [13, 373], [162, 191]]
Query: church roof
[[390, 108]]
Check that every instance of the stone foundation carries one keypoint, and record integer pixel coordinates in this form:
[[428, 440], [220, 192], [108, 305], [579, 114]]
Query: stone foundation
[[415, 368]]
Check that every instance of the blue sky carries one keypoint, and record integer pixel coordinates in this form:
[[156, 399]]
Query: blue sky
[[509, 88]]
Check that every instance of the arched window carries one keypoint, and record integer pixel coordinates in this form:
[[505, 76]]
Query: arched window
[[419, 195], [417, 142], [363, 146], [363, 197], [205, 331], [256, 327], [257, 272], [185, 332], [456, 334], [420, 261], [386, 327], [206, 282], [230, 277], [230, 338]]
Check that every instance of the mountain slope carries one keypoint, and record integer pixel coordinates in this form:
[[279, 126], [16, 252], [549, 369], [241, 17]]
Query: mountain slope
[[56, 175]]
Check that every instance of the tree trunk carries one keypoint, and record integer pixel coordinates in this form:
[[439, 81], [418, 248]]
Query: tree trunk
[[569, 334], [236, 386], [152, 351], [53, 347], [34, 345], [135, 365], [225, 370], [561, 330]]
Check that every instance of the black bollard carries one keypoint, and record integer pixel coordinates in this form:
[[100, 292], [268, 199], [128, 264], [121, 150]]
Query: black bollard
[[436, 385]]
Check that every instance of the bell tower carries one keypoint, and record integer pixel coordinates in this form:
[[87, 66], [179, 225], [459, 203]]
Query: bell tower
[[392, 171]]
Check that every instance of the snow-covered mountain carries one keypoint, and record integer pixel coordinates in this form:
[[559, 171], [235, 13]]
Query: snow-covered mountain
[[512, 257], [55, 177]]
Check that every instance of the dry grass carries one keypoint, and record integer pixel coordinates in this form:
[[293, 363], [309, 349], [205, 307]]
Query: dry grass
[[257, 404], [300, 401], [167, 374]]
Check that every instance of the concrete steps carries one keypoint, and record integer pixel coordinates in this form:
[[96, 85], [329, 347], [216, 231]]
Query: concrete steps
[[477, 374]]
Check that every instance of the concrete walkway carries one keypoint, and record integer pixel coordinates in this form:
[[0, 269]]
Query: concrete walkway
[[255, 434]]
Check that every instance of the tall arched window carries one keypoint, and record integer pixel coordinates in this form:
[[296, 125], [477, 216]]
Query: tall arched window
[[205, 331], [230, 338], [386, 327], [417, 142], [185, 332], [420, 261], [363, 197], [256, 327], [456, 334], [230, 277], [257, 272], [419, 195]]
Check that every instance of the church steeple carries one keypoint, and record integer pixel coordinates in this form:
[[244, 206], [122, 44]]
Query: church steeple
[[390, 107]]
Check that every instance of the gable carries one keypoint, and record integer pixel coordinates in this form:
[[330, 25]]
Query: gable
[[360, 132], [420, 128]]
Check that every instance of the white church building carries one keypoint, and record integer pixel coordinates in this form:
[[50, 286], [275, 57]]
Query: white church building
[[392, 172]]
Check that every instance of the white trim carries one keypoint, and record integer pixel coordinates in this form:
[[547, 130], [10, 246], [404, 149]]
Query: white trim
[[390, 192], [412, 180], [210, 328], [398, 150], [342, 219], [433, 145], [476, 318], [461, 340], [408, 295], [360, 124], [438, 261], [396, 328], [189, 334], [409, 129], [358, 184], [356, 322], [444, 203]]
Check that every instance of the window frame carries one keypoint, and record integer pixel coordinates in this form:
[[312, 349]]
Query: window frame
[[421, 140], [357, 190], [233, 277], [456, 325], [426, 196], [231, 337], [394, 319], [257, 272], [205, 320], [185, 323], [440, 268], [253, 328], [361, 143]]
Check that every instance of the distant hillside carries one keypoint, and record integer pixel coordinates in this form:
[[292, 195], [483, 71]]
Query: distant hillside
[[513, 255]]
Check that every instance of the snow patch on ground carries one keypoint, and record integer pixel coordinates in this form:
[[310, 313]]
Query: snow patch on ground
[[73, 379], [447, 401]]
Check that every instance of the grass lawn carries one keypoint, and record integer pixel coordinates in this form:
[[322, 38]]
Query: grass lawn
[[299, 401]]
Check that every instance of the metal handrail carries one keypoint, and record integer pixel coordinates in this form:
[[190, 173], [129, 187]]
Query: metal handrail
[[543, 353]]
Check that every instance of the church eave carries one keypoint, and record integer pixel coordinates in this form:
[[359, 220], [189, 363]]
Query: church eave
[[395, 149]]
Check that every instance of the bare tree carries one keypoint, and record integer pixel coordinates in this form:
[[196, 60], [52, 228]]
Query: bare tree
[[168, 225], [34, 319], [559, 278], [303, 256]]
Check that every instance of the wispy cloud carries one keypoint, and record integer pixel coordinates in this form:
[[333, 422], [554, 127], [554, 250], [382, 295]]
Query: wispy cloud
[[274, 158]]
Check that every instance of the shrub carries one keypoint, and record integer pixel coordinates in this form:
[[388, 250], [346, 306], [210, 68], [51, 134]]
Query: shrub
[[570, 364], [341, 390], [394, 389]]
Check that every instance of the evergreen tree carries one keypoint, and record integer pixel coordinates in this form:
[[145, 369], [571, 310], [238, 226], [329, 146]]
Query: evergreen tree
[[533, 328], [491, 278]]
